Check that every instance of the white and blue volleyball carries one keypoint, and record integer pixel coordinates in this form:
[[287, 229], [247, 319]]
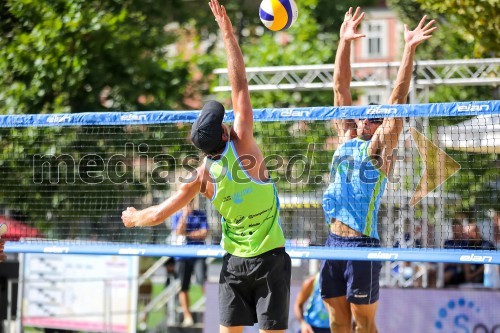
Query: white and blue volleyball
[[278, 14]]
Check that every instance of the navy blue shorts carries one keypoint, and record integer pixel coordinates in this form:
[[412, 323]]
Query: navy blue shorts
[[357, 280]]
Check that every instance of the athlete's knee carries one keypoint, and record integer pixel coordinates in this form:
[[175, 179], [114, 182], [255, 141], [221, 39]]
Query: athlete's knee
[[365, 324], [338, 324]]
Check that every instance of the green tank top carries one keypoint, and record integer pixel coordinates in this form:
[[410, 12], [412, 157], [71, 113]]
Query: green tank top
[[249, 207]]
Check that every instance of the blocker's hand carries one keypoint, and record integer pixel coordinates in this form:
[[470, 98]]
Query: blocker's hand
[[128, 217], [221, 17], [421, 32], [351, 23]]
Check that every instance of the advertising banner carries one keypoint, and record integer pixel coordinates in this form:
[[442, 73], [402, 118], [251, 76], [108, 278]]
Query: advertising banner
[[80, 292]]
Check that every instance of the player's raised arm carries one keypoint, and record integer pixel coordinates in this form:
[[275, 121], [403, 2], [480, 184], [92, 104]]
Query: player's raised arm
[[243, 115], [386, 137], [346, 128], [412, 40], [155, 215]]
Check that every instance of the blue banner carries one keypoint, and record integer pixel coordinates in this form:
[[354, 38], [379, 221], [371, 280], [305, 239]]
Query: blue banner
[[311, 252], [285, 114]]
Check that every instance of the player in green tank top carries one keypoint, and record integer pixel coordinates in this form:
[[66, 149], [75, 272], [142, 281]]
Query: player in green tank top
[[255, 277]]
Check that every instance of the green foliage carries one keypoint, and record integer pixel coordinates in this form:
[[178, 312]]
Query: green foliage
[[468, 29], [330, 14], [76, 56]]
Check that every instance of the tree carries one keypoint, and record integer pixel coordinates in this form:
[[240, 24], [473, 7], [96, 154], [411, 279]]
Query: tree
[[83, 56], [468, 28], [80, 56]]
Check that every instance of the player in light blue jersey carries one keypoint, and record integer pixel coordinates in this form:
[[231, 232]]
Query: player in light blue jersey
[[309, 308], [358, 178]]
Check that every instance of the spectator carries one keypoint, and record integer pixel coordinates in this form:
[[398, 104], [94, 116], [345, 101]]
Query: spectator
[[3, 230], [474, 273], [192, 225], [454, 273], [495, 218], [3, 256], [466, 236], [171, 274], [314, 318]]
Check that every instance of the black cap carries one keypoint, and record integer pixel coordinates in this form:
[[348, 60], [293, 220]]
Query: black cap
[[206, 133]]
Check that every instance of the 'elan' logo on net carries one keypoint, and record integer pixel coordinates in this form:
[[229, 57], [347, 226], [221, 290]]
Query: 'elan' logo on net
[[133, 117], [294, 113], [58, 119], [383, 255], [475, 258], [473, 108], [379, 110], [55, 249], [299, 254], [131, 251]]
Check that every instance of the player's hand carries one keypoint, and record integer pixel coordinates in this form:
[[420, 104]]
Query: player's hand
[[3, 256], [351, 22], [128, 217], [305, 327], [221, 16], [421, 32]]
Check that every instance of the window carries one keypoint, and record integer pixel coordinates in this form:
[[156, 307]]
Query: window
[[374, 95], [375, 41], [374, 98]]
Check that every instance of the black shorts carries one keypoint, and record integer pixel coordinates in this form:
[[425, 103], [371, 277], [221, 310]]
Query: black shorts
[[255, 290], [185, 268]]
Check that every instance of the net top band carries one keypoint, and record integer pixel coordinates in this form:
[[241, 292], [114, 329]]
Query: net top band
[[473, 108]]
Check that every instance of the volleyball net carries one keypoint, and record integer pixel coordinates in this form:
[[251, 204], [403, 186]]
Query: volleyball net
[[66, 178]]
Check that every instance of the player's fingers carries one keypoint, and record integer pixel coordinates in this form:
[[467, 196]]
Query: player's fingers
[[430, 31], [356, 13], [422, 21], [348, 15], [359, 18], [428, 25]]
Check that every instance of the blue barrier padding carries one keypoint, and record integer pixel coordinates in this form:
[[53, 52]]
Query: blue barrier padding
[[286, 114], [311, 252]]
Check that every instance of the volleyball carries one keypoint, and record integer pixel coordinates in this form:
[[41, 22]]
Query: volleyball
[[278, 14]]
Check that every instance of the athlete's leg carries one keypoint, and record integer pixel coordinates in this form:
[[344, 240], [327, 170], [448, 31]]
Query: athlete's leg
[[363, 293], [339, 313], [232, 329], [364, 316]]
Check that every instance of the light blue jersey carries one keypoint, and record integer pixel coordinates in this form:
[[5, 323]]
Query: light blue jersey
[[356, 187], [315, 313]]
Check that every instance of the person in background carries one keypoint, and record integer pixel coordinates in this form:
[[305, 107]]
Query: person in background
[[314, 317], [495, 218], [190, 224], [474, 273], [454, 273], [3, 256], [170, 270]]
